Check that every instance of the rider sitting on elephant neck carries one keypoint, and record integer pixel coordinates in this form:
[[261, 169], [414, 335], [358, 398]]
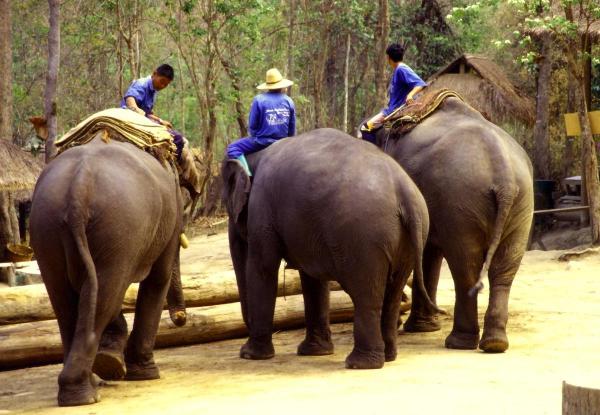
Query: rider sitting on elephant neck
[[141, 95], [404, 85], [272, 117]]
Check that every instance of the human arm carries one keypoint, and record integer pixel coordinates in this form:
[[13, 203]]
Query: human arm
[[254, 118], [132, 105], [292, 124], [410, 97]]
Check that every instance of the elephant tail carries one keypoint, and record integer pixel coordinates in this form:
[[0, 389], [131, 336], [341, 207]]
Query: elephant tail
[[88, 295], [418, 225], [505, 194]]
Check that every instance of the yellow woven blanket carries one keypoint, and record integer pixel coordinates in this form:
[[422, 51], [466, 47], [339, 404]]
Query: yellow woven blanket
[[123, 125]]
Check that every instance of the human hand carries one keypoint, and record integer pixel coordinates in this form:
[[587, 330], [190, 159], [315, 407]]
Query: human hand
[[166, 123], [410, 100]]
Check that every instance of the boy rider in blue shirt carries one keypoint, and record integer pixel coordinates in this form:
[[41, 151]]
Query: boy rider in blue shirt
[[404, 85], [272, 117], [141, 95]]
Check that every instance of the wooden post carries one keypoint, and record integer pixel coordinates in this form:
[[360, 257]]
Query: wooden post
[[580, 400]]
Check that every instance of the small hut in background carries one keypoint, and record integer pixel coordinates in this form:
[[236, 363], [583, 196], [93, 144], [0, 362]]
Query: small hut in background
[[19, 171], [484, 85]]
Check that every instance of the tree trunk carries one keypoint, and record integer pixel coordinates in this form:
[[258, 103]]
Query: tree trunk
[[381, 39], [346, 74], [568, 159], [236, 85], [289, 70], [540, 131], [52, 77], [9, 231], [28, 344], [6, 95]]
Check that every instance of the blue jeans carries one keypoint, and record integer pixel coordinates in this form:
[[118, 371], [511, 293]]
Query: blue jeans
[[247, 145]]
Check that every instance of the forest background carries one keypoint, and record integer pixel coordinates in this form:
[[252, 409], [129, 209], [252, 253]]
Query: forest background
[[332, 49]]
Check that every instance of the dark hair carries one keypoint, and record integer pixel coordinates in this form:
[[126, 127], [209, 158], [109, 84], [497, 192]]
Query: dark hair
[[395, 51], [166, 71]]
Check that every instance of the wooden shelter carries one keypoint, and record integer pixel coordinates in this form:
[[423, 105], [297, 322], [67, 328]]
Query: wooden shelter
[[485, 86]]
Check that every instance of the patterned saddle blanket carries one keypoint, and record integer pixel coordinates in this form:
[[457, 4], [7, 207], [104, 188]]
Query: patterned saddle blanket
[[407, 117]]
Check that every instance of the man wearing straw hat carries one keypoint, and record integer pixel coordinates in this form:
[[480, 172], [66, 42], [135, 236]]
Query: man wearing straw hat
[[272, 117]]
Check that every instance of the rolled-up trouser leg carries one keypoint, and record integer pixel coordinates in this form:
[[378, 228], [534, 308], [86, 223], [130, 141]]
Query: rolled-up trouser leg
[[178, 140]]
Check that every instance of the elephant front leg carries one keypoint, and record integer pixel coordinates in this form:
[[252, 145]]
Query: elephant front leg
[[261, 287], [316, 313], [109, 363], [421, 318], [139, 356]]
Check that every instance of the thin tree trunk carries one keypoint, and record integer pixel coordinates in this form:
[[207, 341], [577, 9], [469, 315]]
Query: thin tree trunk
[[568, 158], [540, 131], [6, 96], [346, 74], [382, 35], [236, 85], [52, 77], [9, 231], [289, 70]]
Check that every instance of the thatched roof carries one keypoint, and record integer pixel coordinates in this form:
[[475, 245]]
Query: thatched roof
[[19, 170], [484, 85]]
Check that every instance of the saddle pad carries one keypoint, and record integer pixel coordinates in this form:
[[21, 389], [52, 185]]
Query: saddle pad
[[405, 118], [122, 125]]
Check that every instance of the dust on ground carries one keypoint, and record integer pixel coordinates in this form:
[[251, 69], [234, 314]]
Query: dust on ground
[[553, 332]]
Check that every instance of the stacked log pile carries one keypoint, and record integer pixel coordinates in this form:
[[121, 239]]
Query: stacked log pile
[[29, 333]]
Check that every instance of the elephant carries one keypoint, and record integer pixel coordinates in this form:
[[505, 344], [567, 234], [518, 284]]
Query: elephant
[[477, 182], [105, 215], [333, 208]]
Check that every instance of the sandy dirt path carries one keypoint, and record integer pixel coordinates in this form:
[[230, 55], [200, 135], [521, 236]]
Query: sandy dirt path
[[553, 332]]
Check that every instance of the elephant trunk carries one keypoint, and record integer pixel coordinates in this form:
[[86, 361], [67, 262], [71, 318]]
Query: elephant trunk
[[175, 299]]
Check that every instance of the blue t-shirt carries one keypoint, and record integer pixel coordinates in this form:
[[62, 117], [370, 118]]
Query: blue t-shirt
[[143, 92], [403, 81], [272, 116]]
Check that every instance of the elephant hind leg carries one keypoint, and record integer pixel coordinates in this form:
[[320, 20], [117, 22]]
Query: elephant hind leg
[[316, 314], [465, 270], [391, 312], [502, 271], [139, 352]]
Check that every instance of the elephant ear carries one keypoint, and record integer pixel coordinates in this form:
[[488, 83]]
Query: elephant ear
[[236, 188]]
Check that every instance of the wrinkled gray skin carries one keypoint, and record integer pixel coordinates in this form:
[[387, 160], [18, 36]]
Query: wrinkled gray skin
[[477, 182], [335, 209], [104, 216]]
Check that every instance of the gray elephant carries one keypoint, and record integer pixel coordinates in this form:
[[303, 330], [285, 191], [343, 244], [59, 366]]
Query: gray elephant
[[477, 182], [105, 215], [333, 208]]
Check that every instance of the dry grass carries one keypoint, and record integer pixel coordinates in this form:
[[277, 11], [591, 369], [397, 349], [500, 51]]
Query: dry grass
[[19, 170]]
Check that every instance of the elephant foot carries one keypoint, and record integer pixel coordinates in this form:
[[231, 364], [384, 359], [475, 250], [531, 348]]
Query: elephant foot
[[314, 345], [109, 365], [365, 360], [178, 317], [421, 324], [462, 341], [142, 371], [391, 353], [494, 343], [253, 350], [85, 393]]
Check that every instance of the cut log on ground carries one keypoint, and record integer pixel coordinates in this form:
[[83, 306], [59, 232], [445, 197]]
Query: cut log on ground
[[580, 400], [31, 303], [30, 344]]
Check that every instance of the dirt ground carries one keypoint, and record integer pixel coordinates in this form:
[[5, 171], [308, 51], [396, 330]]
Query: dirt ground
[[553, 332]]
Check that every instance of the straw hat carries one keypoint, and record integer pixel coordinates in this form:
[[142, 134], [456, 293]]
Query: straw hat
[[274, 81]]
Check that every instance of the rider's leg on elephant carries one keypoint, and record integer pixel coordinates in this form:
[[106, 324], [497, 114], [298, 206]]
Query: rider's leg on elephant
[[238, 150]]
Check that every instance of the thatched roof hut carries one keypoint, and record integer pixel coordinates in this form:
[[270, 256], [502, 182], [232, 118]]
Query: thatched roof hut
[[19, 170], [484, 85]]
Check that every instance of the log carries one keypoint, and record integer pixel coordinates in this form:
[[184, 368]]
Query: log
[[37, 343], [580, 400], [31, 303]]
